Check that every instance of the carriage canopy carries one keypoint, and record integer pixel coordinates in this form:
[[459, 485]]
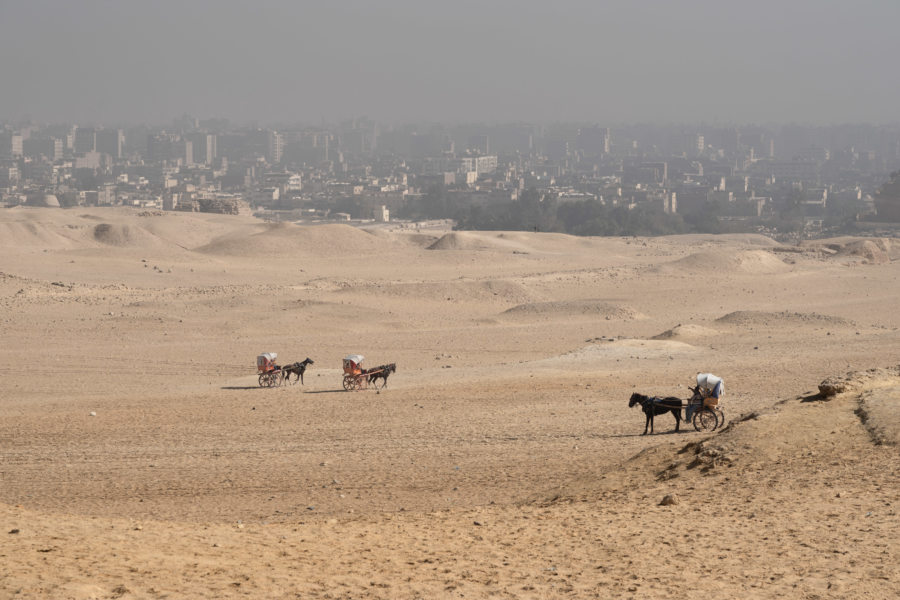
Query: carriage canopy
[[352, 363], [266, 361]]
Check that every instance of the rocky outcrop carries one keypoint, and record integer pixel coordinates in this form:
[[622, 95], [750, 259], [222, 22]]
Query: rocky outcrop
[[839, 384]]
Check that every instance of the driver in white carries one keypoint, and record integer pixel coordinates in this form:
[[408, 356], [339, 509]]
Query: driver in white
[[711, 386]]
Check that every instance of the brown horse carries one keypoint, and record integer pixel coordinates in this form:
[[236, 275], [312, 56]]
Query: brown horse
[[381, 372], [297, 368]]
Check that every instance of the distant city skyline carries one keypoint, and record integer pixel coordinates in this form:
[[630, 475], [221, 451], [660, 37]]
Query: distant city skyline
[[402, 61]]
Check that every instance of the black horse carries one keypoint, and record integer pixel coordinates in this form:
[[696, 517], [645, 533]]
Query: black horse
[[657, 406], [297, 368], [381, 372]]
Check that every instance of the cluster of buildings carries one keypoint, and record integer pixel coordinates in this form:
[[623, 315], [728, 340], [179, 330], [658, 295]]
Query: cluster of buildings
[[362, 170]]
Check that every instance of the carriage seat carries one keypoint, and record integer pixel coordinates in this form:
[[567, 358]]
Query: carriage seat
[[351, 368]]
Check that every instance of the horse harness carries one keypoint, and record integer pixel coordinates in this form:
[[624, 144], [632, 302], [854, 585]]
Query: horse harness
[[651, 401]]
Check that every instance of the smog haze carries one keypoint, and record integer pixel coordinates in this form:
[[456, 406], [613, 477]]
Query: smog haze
[[403, 61]]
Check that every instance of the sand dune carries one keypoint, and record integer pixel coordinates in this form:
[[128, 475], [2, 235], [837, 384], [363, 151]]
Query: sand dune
[[285, 239], [125, 235], [688, 331], [733, 240], [873, 251], [772, 479], [745, 318], [413, 239], [17, 235], [466, 291], [569, 308], [126, 229], [468, 240], [141, 459], [722, 263]]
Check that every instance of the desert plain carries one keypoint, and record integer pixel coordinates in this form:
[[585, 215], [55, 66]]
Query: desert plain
[[139, 457]]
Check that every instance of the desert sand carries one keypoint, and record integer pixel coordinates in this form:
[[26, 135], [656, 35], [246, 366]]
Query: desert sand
[[139, 458]]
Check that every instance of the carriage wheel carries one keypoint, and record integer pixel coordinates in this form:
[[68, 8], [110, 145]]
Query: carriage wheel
[[277, 378], [348, 382], [705, 420], [721, 414], [263, 377], [359, 382]]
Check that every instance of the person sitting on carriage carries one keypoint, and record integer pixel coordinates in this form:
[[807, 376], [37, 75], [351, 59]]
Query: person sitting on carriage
[[265, 362], [353, 365], [711, 388]]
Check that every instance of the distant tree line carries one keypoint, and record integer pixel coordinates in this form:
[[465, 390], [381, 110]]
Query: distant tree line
[[541, 211], [536, 210]]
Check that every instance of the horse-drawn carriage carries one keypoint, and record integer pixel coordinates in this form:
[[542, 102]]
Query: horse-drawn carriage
[[706, 413], [354, 374], [703, 412], [270, 374], [358, 378]]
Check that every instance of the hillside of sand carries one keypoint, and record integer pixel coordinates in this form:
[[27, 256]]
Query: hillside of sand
[[141, 459]]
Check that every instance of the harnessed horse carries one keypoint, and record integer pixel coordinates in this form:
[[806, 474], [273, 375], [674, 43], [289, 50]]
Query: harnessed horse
[[653, 406]]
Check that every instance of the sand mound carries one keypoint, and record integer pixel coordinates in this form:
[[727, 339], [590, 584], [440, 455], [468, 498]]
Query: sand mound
[[189, 230], [745, 318], [27, 234], [689, 331], [549, 242], [493, 290], [123, 235], [754, 240], [873, 251], [62, 230], [750, 317], [411, 238], [523, 242], [419, 240], [288, 240], [467, 240], [453, 241], [724, 262], [593, 308]]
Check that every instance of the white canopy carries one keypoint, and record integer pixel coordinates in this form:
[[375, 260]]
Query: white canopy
[[357, 358]]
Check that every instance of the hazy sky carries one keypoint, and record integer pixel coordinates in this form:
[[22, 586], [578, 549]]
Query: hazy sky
[[811, 61]]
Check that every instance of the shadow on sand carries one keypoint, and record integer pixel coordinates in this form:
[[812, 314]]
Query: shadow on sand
[[242, 387], [631, 435], [814, 398]]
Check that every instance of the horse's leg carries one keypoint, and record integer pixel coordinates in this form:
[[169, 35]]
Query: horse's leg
[[676, 412], [647, 423]]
